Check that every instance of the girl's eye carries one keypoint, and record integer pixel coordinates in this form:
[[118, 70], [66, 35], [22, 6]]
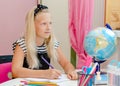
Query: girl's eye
[[46, 23], [43, 23]]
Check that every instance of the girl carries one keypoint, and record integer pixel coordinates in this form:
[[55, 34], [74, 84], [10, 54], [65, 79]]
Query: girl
[[33, 51]]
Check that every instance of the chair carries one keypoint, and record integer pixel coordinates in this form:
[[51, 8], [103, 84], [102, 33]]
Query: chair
[[5, 68]]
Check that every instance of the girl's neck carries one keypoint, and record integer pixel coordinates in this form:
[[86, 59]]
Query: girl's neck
[[39, 41]]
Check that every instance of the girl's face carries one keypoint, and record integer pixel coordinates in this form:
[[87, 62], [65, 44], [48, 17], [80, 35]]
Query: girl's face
[[43, 25]]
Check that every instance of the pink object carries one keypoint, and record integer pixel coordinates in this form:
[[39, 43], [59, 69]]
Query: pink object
[[12, 26], [5, 72], [80, 22]]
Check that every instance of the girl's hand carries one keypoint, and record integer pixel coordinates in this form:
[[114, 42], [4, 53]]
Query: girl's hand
[[52, 73], [72, 75]]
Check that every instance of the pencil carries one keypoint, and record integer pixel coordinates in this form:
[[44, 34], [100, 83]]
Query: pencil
[[47, 62], [41, 83]]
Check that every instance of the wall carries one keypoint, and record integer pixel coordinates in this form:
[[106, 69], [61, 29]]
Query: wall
[[98, 19], [12, 22]]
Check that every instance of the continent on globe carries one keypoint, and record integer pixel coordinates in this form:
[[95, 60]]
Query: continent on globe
[[100, 44]]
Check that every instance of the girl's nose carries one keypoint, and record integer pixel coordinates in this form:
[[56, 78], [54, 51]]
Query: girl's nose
[[49, 26]]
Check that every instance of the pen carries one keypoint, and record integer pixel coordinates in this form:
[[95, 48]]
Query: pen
[[47, 62]]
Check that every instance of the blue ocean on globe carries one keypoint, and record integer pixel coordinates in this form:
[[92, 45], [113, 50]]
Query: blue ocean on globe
[[100, 43]]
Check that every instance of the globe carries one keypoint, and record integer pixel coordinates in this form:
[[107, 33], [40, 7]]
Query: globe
[[100, 43]]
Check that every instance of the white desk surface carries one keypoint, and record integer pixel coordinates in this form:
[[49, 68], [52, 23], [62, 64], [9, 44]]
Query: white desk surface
[[16, 82]]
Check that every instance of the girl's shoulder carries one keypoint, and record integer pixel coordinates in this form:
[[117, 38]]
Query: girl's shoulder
[[56, 43], [21, 43], [21, 39]]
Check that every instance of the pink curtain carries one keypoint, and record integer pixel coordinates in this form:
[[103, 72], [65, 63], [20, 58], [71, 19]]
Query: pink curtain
[[80, 22]]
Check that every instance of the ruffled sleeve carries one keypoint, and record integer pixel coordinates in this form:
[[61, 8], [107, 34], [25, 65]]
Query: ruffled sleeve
[[56, 44], [21, 43]]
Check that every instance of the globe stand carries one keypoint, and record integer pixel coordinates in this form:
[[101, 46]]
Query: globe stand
[[99, 62]]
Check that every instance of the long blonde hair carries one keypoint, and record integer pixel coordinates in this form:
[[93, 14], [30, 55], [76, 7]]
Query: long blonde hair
[[30, 39]]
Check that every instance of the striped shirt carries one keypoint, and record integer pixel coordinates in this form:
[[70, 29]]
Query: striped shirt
[[41, 51]]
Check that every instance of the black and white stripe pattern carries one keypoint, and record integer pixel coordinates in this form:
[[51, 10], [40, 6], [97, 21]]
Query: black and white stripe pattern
[[21, 43], [40, 49], [56, 44]]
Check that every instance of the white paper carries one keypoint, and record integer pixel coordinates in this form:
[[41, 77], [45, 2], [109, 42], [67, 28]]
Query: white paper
[[62, 78]]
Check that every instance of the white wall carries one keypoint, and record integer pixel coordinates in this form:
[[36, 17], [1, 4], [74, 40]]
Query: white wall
[[98, 19]]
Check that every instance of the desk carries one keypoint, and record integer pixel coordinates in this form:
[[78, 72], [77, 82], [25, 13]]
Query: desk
[[16, 82]]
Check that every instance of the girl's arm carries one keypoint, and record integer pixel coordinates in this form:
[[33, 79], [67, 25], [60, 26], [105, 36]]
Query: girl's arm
[[19, 71], [67, 66]]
